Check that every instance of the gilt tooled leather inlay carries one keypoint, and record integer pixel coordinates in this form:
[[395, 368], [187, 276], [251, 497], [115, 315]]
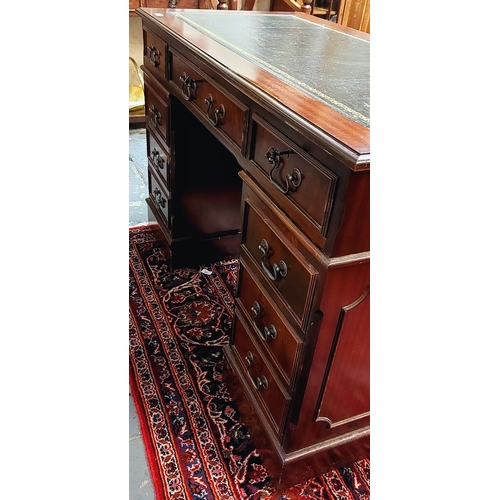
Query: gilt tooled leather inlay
[[330, 65]]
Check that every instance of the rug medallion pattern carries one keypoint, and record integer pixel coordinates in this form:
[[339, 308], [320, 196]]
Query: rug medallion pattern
[[199, 448]]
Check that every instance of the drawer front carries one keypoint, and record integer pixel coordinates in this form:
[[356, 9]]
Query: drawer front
[[159, 197], [271, 330], [221, 111], [155, 52], [273, 399], [282, 265], [157, 113], [158, 159], [291, 172]]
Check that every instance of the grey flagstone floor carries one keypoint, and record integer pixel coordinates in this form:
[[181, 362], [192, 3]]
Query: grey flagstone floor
[[140, 485], [138, 177]]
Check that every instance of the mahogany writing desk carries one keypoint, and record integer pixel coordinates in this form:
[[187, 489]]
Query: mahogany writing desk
[[258, 148]]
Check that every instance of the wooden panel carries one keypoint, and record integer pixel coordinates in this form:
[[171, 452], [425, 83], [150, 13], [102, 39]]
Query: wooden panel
[[355, 14], [348, 369], [342, 348], [204, 212], [353, 235]]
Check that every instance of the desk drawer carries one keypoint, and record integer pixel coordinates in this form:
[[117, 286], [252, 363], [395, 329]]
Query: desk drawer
[[273, 333], [155, 52], [288, 171], [265, 386], [220, 109], [157, 112], [285, 269], [159, 197], [158, 159]]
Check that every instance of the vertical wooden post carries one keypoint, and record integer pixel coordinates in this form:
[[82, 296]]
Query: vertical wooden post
[[306, 6]]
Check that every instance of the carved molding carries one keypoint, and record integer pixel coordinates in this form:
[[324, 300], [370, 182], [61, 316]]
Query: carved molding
[[332, 425], [331, 422]]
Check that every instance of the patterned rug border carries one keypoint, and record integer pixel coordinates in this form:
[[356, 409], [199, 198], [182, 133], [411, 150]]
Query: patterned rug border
[[149, 447]]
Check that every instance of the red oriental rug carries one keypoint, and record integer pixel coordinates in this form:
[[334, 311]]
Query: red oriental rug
[[196, 445]]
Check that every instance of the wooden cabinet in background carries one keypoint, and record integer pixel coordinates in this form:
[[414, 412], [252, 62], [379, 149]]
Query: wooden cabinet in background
[[169, 4], [350, 13], [355, 14]]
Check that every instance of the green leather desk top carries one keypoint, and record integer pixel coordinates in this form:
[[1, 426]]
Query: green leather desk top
[[329, 65]]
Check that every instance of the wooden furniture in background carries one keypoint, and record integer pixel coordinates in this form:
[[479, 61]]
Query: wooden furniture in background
[[355, 14], [263, 155], [292, 6], [326, 9], [171, 4], [350, 13]]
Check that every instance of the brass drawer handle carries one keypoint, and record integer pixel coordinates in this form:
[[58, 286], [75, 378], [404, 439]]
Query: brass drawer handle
[[249, 358], [257, 382], [160, 200], [293, 178], [278, 270], [269, 332], [219, 112], [157, 160], [188, 87], [155, 116], [260, 382], [153, 55]]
